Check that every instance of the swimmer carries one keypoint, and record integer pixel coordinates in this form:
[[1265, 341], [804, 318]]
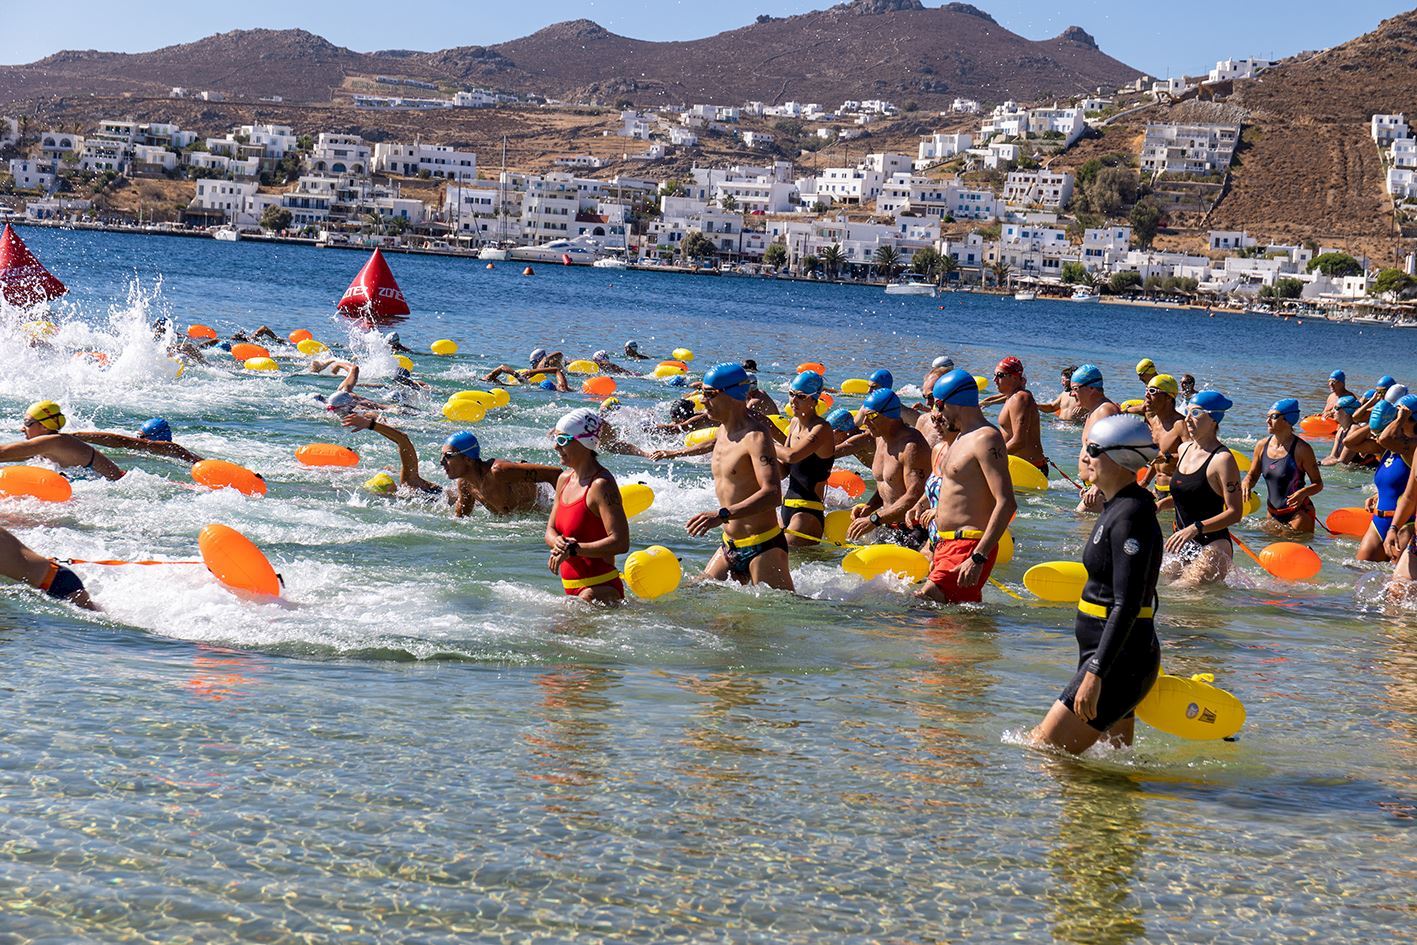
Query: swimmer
[[1337, 389], [1119, 655], [607, 366], [1343, 410], [395, 344], [759, 402], [808, 455], [410, 477], [901, 466], [41, 425], [747, 482], [344, 399], [1018, 420], [1360, 444], [938, 369], [587, 527], [1146, 370], [263, 333], [1168, 428], [632, 351], [683, 418], [542, 362], [1188, 390], [1338, 392], [610, 441], [155, 437], [1091, 397], [1205, 492], [19, 562], [1397, 435], [1285, 461], [1066, 405], [880, 378], [850, 440], [1399, 541], [976, 497]]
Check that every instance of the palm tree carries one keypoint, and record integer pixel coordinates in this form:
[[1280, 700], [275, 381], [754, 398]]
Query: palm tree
[[810, 263], [833, 259], [728, 202], [1001, 272], [947, 266], [888, 260]]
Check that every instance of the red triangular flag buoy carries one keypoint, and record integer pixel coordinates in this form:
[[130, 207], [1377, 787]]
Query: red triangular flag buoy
[[374, 293], [23, 279]]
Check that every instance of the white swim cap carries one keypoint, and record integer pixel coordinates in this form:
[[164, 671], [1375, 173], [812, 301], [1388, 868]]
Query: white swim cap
[[1395, 393], [943, 362], [1126, 438], [584, 424]]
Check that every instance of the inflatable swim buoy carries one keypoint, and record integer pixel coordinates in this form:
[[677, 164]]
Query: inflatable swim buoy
[[815, 366], [1191, 708], [326, 454], [652, 572], [1241, 460], [848, 481], [444, 347], [782, 423], [1352, 522], [220, 474], [245, 351], [981, 382], [310, 346], [1006, 548], [35, 482], [1058, 581], [599, 386], [536, 379], [666, 370], [464, 411], [701, 435], [1290, 561], [236, 561], [404, 361], [485, 399], [679, 364], [682, 354], [201, 332], [1252, 504], [835, 526], [1318, 425], [500, 398], [872, 561], [1026, 476], [856, 385], [528, 271], [260, 364], [637, 498], [299, 335]]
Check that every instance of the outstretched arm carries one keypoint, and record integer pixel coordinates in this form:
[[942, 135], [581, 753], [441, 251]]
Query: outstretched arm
[[125, 442], [408, 456]]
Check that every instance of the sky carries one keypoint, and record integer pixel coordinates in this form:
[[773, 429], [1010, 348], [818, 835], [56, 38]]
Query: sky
[[1161, 39]]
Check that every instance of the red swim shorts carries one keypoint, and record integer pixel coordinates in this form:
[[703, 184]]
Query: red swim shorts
[[950, 555]]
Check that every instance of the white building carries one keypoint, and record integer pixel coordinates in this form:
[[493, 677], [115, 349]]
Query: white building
[[1011, 121], [994, 154], [339, 154], [582, 161], [634, 125], [1094, 104], [682, 137], [39, 175], [754, 189], [1041, 189], [1221, 240], [60, 144], [757, 139], [474, 98], [1388, 128], [1403, 153], [411, 160], [230, 198], [1228, 70], [1402, 184], [888, 163], [9, 131], [1173, 86], [482, 212], [100, 155], [1102, 246], [275, 141], [964, 106], [847, 185], [1188, 149]]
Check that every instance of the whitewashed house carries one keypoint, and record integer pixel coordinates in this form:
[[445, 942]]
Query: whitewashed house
[[1042, 189], [964, 106], [1403, 153], [682, 137], [1221, 240], [1388, 128], [230, 198], [1228, 70], [40, 175], [339, 154], [411, 160], [941, 147], [1402, 184], [1102, 246], [757, 139], [60, 144], [1188, 149]]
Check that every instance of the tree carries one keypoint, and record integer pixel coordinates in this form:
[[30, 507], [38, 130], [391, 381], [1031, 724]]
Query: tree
[[1394, 282], [925, 262], [810, 263], [887, 260], [1145, 220], [1001, 271], [728, 202], [1111, 189], [1283, 289], [275, 217], [1336, 265], [1073, 272], [775, 255], [948, 266], [1123, 281], [671, 188], [833, 259], [696, 246]]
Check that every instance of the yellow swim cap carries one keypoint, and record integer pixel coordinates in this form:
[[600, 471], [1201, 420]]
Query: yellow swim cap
[[381, 484], [1144, 365], [1164, 383], [48, 414]]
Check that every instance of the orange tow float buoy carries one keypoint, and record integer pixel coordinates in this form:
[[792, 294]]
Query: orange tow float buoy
[[815, 366], [599, 386], [35, 482], [245, 351], [1352, 522], [220, 474], [848, 481], [1290, 561], [201, 332], [299, 335], [326, 454], [1318, 425], [236, 562]]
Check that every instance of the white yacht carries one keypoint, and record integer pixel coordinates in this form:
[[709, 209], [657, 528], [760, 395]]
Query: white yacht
[[611, 262], [1025, 295], [1084, 294], [227, 234], [579, 251], [492, 253], [910, 288]]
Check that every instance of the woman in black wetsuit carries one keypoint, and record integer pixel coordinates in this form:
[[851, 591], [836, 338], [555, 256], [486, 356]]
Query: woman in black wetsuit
[[808, 454], [1118, 653], [1205, 493]]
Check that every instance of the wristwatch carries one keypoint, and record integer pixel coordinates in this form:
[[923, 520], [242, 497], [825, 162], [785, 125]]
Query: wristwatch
[[875, 518], [977, 558], [723, 514]]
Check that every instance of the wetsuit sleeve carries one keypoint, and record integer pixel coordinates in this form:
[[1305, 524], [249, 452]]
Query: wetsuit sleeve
[[1132, 556]]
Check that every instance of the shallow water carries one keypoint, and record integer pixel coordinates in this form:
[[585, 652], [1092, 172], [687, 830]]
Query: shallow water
[[426, 743]]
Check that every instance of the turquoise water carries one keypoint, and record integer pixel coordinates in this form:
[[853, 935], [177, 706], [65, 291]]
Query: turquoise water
[[425, 742]]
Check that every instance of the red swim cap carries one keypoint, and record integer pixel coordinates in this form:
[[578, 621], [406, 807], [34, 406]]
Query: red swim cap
[[1010, 365]]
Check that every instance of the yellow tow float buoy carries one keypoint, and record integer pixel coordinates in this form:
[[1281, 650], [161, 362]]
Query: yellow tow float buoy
[[444, 347], [1026, 476], [582, 367], [381, 484], [872, 561], [464, 411], [834, 528], [1252, 503], [637, 498], [1129, 405], [404, 361], [981, 382], [483, 398], [1058, 581], [652, 572], [856, 385], [1191, 708], [701, 435], [1006, 548], [781, 422], [682, 354], [1241, 460], [309, 346], [500, 398], [666, 370], [260, 364]]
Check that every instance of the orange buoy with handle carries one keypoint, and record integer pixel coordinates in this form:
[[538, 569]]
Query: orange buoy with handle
[[1352, 522], [1318, 425], [220, 474], [326, 454], [814, 366], [299, 335], [245, 351], [1290, 561], [201, 332], [849, 482], [599, 386], [236, 562], [35, 482]]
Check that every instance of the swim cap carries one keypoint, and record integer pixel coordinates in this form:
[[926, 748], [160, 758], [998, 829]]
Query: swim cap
[[1126, 438], [47, 414], [840, 419], [884, 401], [609, 404], [1387, 380], [729, 378], [547, 384], [1089, 375], [1395, 393], [536, 355], [808, 382], [392, 338], [943, 362], [584, 424], [958, 387], [1009, 365], [156, 429], [677, 380], [381, 484], [1164, 383], [1383, 414], [1368, 394], [1347, 403], [403, 375], [1212, 402], [749, 364], [340, 400], [464, 443], [601, 355], [1338, 376], [1288, 408], [1410, 402], [632, 347], [681, 410], [1144, 365], [882, 378]]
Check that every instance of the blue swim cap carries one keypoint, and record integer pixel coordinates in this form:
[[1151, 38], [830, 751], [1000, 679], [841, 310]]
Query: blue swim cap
[[808, 382], [841, 420], [1410, 402], [1367, 394], [1288, 408], [156, 429], [883, 401], [677, 380], [1347, 403], [882, 378], [1212, 402], [1383, 414], [730, 378], [958, 387], [547, 384], [1089, 375], [465, 444], [1387, 380], [1338, 376]]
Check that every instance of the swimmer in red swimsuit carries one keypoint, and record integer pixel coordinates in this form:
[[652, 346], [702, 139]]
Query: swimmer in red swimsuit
[[587, 527]]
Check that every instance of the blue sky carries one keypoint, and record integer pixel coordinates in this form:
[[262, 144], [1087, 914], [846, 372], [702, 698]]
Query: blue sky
[[1187, 40]]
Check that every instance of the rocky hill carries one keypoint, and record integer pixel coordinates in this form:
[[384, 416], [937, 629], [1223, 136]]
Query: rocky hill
[[893, 49]]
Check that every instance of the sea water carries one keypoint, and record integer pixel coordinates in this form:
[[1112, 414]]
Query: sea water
[[425, 741]]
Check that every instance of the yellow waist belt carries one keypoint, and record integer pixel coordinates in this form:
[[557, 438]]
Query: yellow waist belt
[[576, 584], [968, 534], [752, 540], [1100, 612], [804, 504]]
